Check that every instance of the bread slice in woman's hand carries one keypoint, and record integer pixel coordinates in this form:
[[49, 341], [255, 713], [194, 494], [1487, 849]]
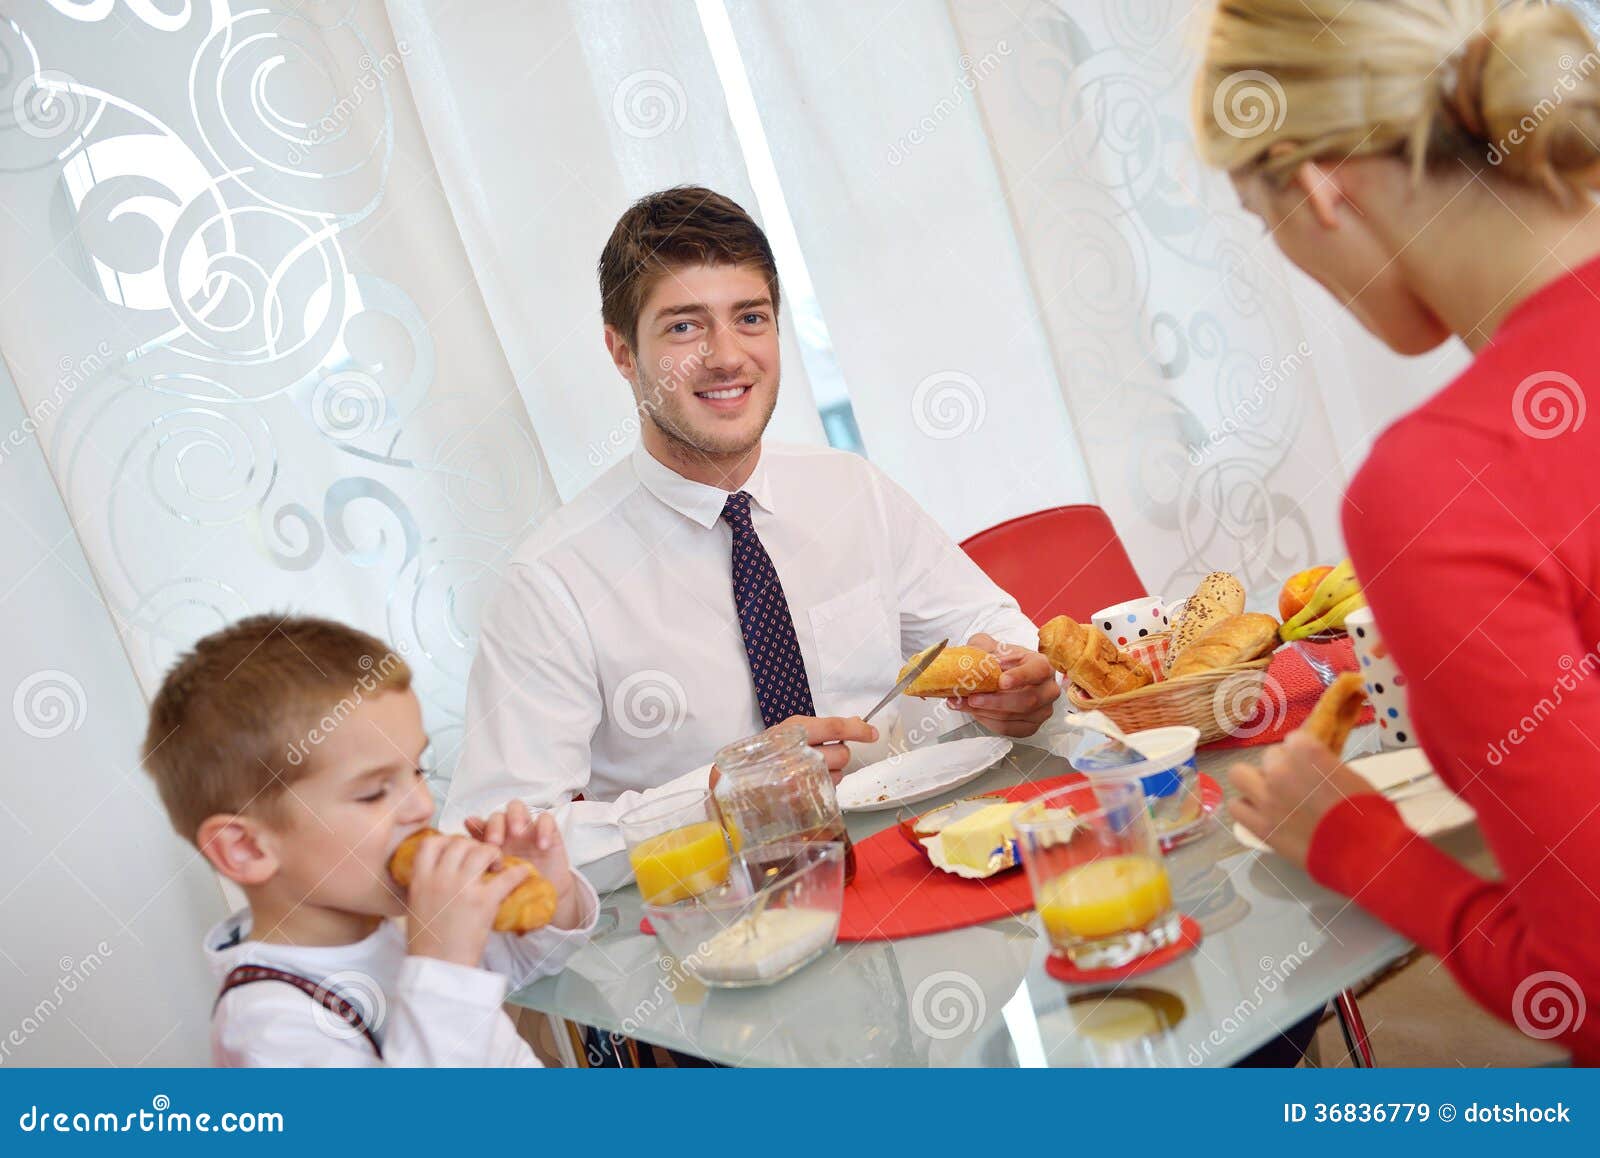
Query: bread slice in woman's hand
[[1337, 711]]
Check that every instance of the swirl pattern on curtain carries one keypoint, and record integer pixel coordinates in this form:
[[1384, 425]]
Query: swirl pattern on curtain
[[243, 327]]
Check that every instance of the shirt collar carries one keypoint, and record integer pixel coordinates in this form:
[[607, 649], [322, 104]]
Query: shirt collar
[[695, 500]]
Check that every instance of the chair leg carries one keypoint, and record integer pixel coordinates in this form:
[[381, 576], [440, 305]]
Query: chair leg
[[1355, 1030]]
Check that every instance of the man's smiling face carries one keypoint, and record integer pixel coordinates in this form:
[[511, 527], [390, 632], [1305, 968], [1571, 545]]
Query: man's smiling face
[[704, 361]]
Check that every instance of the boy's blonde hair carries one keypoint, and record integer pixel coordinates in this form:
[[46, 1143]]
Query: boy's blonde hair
[[236, 719], [1514, 85]]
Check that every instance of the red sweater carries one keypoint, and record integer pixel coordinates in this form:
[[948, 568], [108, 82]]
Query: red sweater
[[1475, 530]]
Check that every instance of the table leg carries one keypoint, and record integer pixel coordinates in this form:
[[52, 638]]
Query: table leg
[[1355, 1030]]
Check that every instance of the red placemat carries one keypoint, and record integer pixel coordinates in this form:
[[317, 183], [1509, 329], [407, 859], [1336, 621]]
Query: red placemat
[[1291, 691], [897, 893], [1188, 941]]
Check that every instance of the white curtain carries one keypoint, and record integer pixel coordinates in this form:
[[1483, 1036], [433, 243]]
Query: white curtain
[[239, 312]]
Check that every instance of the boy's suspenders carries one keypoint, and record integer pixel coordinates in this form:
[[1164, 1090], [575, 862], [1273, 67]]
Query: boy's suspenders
[[321, 994]]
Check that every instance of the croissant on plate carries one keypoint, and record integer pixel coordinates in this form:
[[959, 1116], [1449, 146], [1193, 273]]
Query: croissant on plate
[[1086, 657]]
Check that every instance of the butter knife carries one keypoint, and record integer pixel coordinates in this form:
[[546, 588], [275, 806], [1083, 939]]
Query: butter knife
[[908, 679]]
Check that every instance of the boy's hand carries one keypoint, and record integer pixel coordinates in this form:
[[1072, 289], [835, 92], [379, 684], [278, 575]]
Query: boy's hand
[[451, 902], [539, 842]]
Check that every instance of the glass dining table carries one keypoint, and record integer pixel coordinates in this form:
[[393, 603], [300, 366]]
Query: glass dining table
[[1277, 947]]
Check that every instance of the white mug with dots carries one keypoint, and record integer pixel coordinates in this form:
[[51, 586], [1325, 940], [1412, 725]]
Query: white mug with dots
[[1385, 683], [1127, 623]]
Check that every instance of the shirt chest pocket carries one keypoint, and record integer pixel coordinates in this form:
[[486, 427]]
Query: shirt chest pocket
[[857, 642]]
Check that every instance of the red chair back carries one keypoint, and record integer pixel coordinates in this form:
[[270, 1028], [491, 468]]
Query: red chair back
[[1063, 561]]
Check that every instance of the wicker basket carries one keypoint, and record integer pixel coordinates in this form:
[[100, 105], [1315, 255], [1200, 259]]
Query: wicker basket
[[1218, 702]]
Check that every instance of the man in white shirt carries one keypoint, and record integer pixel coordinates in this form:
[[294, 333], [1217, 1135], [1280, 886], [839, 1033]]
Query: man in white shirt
[[712, 584]]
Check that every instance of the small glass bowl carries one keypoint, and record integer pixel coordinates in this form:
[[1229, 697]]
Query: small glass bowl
[[778, 912]]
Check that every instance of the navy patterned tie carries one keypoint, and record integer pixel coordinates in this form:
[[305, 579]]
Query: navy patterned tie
[[776, 666]]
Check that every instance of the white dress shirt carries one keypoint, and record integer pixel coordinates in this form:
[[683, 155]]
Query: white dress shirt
[[424, 1011], [610, 661]]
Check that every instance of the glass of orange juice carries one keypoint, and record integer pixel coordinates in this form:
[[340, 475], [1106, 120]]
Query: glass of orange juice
[[1094, 862], [676, 845]]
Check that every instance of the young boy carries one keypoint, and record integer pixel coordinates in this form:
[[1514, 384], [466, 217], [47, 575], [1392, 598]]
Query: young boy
[[287, 750]]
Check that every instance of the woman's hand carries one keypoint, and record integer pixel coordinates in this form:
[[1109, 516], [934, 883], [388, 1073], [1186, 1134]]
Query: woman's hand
[[1282, 802]]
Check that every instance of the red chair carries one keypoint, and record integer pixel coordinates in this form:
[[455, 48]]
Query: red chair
[[1063, 561]]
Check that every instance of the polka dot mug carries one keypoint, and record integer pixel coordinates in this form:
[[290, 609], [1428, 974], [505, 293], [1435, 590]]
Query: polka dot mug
[[1127, 623], [1385, 683]]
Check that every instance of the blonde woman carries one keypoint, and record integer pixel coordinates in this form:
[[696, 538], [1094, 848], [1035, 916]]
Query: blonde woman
[[1430, 162]]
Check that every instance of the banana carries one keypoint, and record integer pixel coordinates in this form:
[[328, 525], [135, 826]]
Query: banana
[[1336, 586], [1333, 618]]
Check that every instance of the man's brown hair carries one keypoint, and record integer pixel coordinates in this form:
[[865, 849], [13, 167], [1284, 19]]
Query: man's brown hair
[[684, 225], [236, 719]]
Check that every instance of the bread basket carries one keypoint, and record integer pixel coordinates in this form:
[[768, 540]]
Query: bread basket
[[1219, 702]]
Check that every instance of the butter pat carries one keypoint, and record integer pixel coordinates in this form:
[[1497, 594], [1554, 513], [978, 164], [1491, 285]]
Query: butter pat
[[974, 841]]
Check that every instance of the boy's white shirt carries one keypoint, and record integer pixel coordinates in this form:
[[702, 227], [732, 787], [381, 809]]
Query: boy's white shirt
[[424, 1011]]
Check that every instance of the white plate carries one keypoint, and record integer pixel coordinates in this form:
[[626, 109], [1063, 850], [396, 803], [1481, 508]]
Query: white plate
[[1427, 810], [919, 774]]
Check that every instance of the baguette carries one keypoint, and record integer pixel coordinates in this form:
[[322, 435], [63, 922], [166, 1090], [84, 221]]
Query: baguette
[[1218, 596], [531, 905], [1236, 639], [1086, 657], [959, 671], [1337, 712]]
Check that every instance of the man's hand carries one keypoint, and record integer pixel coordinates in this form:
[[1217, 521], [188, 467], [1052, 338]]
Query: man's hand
[[1282, 802], [1028, 688], [828, 735], [451, 902], [538, 841]]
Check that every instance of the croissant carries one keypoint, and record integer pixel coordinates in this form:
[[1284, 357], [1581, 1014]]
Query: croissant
[[1090, 660], [1337, 711], [1218, 596], [958, 671], [1236, 639], [530, 906]]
